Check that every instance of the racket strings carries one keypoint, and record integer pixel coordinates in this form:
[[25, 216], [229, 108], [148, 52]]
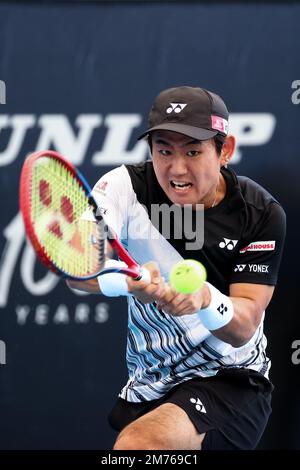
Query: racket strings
[[63, 219]]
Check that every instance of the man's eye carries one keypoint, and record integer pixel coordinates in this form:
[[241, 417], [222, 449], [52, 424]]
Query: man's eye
[[193, 153], [165, 153]]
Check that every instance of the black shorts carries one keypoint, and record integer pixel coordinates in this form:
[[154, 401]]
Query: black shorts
[[232, 408]]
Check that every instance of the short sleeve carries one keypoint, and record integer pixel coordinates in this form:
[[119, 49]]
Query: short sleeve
[[258, 262], [111, 192]]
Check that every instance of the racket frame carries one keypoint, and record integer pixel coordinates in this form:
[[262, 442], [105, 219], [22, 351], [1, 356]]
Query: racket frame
[[133, 270]]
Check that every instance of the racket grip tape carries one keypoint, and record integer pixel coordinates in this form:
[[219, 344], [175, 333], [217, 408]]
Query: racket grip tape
[[144, 275], [113, 284]]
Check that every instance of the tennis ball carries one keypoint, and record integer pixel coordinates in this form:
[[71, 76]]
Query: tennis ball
[[187, 276]]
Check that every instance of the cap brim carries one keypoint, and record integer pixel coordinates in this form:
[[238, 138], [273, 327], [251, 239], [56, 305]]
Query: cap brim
[[191, 131]]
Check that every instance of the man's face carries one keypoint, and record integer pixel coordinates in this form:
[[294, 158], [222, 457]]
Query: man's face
[[187, 169]]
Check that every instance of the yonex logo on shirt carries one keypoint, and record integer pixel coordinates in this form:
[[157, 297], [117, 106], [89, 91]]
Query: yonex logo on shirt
[[198, 405], [259, 268], [252, 268], [176, 107], [239, 267], [227, 243]]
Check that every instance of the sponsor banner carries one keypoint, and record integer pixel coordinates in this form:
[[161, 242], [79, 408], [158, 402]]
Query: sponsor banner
[[219, 124], [259, 246]]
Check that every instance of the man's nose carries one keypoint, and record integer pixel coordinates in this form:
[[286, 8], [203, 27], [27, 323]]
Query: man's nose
[[179, 166]]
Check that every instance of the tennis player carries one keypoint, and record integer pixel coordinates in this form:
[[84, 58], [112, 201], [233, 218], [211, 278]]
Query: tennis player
[[197, 364]]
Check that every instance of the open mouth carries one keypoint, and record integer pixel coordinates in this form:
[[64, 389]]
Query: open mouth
[[180, 185]]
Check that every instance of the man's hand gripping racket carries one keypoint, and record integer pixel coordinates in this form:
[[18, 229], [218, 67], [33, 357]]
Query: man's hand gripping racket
[[58, 207]]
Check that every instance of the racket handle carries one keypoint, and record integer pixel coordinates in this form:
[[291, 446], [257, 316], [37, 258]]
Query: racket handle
[[144, 276]]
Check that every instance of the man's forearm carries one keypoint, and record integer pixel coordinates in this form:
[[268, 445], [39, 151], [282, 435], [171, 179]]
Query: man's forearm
[[91, 286]]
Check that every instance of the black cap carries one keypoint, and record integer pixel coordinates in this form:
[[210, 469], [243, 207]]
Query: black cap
[[194, 112]]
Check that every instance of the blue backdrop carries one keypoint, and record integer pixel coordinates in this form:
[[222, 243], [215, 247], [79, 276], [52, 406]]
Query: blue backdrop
[[80, 78]]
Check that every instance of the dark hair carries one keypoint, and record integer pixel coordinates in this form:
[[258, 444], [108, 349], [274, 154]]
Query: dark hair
[[218, 140]]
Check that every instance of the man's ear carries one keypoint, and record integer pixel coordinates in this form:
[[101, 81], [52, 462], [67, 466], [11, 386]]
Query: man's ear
[[227, 150]]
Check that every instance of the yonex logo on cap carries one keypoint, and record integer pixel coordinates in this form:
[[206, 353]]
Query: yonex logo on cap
[[176, 107]]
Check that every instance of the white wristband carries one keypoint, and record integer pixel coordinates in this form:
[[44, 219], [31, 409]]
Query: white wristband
[[113, 284], [219, 312]]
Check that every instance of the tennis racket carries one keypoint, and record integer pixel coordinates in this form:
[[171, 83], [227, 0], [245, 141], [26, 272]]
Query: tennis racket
[[64, 223]]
